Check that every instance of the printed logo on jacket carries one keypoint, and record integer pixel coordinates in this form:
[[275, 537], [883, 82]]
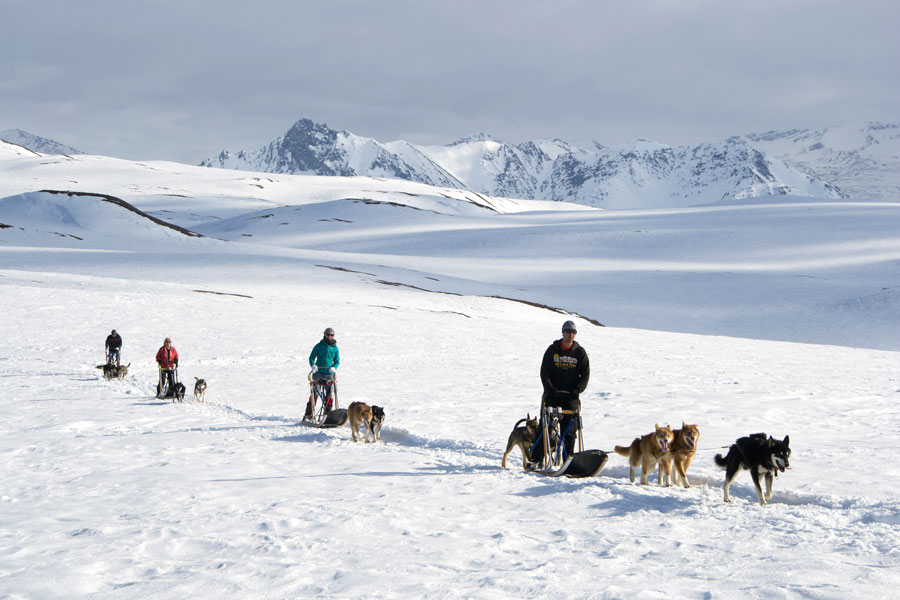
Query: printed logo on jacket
[[564, 362]]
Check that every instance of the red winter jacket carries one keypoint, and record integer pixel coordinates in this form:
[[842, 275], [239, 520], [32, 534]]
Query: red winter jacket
[[167, 359]]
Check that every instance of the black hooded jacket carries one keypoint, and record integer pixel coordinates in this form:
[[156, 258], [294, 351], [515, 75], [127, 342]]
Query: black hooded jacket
[[113, 342], [565, 370]]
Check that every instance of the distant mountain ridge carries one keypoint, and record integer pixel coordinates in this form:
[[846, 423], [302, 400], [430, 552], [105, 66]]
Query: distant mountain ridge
[[858, 161], [863, 160], [640, 174], [36, 143]]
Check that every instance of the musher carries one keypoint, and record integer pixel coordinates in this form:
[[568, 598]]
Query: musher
[[113, 347], [323, 363], [167, 359], [565, 371]]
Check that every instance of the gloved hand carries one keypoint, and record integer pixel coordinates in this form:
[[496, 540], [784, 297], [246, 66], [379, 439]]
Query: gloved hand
[[313, 368], [332, 370]]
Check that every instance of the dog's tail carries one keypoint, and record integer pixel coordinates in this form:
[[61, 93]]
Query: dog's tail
[[720, 460], [519, 422], [623, 450]]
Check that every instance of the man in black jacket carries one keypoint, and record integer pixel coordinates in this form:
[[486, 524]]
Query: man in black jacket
[[565, 372], [113, 347]]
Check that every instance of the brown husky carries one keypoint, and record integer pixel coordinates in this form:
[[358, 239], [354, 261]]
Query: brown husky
[[683, 449], [360, 414], [648, 451]]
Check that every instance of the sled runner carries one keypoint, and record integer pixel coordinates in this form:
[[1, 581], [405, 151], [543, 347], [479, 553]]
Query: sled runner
[[333, 418], [324, 416], [586, 463], [554, 460]]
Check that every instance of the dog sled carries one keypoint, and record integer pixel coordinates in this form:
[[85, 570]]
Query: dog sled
[[321, 415], [164, 390], [554, 460]]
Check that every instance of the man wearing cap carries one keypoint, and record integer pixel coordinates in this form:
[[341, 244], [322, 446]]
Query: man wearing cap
[[565, 371], [113, 347], [167, 359], [324, 360]]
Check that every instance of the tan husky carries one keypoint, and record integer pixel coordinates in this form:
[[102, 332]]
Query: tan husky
[[648, 451], [360, 414], [683, 449]]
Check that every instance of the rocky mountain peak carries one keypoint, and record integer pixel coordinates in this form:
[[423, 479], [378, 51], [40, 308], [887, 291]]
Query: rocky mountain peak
[[475, 137]]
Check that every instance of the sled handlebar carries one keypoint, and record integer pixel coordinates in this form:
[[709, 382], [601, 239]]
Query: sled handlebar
[[555, 410]]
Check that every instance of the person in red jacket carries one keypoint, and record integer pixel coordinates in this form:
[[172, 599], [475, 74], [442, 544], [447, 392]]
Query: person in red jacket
[[167, 359]]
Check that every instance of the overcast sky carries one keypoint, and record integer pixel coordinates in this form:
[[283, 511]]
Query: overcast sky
[[183, 79]]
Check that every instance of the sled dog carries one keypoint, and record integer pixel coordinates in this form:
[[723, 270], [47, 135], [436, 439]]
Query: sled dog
[[377, 421], [683, 448], [199, 390], [522, 438], [761, 456], [111, 371], [360, 414], [648, 451]]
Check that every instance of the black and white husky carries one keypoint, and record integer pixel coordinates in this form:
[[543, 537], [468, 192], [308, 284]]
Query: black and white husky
[[759, 454], [377, 421], [199, 390]]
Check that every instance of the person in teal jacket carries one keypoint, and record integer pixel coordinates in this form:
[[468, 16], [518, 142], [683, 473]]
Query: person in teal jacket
[[324, 360]]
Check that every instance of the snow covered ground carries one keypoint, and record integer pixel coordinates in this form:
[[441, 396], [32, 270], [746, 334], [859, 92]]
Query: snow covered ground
[[107, 492]]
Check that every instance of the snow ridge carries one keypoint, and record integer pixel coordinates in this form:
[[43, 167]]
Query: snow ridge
[[36, 143]]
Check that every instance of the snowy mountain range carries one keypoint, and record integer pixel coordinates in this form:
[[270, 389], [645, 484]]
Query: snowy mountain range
[[858, 161], [640, 174]]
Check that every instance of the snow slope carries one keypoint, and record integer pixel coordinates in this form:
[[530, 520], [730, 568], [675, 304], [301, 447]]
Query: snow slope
[[821, 271], [110, 493]]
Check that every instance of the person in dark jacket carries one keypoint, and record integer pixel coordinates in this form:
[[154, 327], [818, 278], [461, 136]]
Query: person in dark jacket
[[113, 347], [565, 371], [167, 359], [324, 360]]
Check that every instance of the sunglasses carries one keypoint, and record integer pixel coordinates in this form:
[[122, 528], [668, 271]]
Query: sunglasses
[[329, 335], [569, 331]]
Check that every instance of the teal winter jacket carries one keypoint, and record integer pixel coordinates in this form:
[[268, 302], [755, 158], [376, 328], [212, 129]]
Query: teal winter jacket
[[325, 356]]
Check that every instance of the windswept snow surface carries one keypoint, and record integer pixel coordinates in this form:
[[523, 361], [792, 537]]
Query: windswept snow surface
[[107, 492], [791, 269]]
